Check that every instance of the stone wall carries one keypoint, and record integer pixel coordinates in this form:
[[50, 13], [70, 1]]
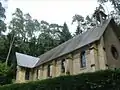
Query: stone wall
[[72, 64], [111, 39], [20, 76], [98, 57]]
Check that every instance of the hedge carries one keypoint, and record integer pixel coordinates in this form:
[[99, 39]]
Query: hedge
[[5, 74], [5, 80], [101, 80]]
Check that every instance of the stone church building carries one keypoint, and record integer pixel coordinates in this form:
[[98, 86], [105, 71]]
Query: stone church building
[[96, 49]]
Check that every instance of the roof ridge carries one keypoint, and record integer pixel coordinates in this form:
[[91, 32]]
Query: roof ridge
[[66, 47], [65, 42]]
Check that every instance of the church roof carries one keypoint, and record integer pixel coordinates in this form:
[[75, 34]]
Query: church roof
[[26, 60], [75, 43]]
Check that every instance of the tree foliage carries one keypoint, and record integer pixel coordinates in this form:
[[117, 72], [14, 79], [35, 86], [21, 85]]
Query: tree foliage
[[5, 74], [65, 34], [79, 19], [33, 37], [115, 3], [29, 36], [2, 17], [114, 13], [3, 42], [4, 71], [84, 24]]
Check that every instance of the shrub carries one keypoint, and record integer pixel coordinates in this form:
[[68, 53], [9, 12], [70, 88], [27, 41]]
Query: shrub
[[4, 74], [101, 80]]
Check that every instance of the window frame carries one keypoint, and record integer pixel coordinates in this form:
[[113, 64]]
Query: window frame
[[37, 73], [114, 52], [83, 59], [49, 70], [27, 74], [63, 66]]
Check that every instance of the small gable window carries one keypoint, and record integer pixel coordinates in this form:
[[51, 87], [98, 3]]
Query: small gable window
[[63, 66], [27, 74], [114, 52], [83, 59]]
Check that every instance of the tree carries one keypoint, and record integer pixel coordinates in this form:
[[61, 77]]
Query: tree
[[84, 24], [116, 12], [5, 74], [45, 42], [90, 22], [51, 35], [16, 28], [3, 69], [45, 37], [55, 30], [16, 25], [94, 20], [28, 36], [115, 3], [31, 26], [2, 29], [2, 18], [65, 34], [3, 47], [33, 47], [48, 36], [79, 19]]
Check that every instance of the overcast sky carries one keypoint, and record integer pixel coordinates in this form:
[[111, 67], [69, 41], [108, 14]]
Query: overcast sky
[[53, 11]]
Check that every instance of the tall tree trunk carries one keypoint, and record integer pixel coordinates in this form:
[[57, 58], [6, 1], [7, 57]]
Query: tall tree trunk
[[10, 48]]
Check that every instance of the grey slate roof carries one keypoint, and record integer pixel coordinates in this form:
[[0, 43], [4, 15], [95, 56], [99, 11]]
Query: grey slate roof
[[26, 60], [77, 42]]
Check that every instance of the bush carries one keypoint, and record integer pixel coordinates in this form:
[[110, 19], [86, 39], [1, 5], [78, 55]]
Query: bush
[[4, 70], [101, 80], [4, 74]]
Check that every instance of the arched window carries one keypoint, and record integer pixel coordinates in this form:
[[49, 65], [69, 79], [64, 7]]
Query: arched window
[[37, 74], [114, 52], [27, 74], [63, 66], [83, 59], [49, 71]]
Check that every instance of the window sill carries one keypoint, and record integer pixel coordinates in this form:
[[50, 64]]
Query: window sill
[[83, 68]]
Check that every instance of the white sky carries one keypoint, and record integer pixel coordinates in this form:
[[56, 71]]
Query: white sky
[[53, 11]]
